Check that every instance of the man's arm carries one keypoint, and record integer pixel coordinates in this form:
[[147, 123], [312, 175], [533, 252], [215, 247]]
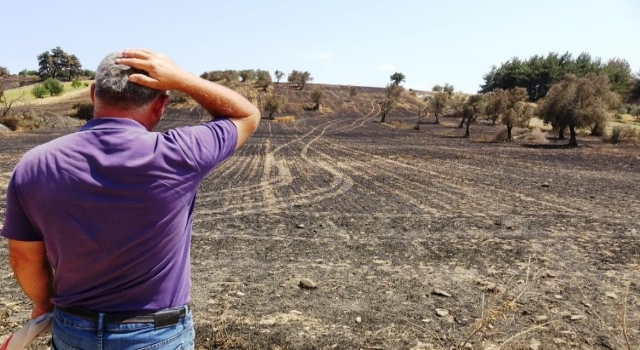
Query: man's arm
[[33, 272], [215, 98]]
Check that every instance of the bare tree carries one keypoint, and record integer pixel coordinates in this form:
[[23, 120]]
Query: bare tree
[[279, 75], [5, 104], [423, 111], [275, 104]]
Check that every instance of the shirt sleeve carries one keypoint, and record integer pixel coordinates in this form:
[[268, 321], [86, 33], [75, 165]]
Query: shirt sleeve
[[17, 225], [207, 144]]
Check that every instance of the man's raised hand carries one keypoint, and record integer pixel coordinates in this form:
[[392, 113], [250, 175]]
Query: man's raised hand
[[163, 73]]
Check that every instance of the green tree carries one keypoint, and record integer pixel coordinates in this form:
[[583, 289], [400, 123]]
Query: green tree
[[537, 73], [275, 104], [58, 64], [577, 102], [620, 76], [279, 75], [316, 96], [397, 78], [438, 104], [437, 88], [26, 72], [392, 94], [4, 71]]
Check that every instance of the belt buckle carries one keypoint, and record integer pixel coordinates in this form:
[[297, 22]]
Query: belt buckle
[[166, 318]]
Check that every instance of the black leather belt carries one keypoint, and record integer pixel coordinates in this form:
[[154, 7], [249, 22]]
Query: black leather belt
[[162, 318]]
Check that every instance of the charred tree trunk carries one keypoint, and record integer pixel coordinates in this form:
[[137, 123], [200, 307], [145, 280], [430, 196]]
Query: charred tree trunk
[[466, 134], [572, 138], [461, 123], [561, 133], [509, 136], [437, 119]]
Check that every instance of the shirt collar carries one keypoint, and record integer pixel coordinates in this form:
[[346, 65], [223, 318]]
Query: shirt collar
[[111, 123]]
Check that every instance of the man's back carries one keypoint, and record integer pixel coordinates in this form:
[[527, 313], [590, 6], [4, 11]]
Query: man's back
[[115, 203]]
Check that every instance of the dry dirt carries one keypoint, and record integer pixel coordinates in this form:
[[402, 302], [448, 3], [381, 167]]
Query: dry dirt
[[416, 239]]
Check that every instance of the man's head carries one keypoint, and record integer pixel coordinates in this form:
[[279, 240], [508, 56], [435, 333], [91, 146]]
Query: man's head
[[114, 96], [114, 89]]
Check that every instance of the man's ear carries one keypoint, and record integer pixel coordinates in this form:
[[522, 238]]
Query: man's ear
[[93, 93], [160, 103]]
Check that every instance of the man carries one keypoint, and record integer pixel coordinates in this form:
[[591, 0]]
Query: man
[[99, 221]]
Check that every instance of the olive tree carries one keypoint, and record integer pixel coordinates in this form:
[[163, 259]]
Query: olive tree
[[438, 103], [392, 95], [471, 110], [263, 79], [578, 102], [299, 78], [316, 97], [275, 104]]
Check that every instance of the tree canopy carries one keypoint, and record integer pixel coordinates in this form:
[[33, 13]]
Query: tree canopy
[[397, 78], [392, 95], [58, 64], [577, 102], [299, 78], [538, 73]]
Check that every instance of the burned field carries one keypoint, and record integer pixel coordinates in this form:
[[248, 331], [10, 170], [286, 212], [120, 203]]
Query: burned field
[[414, 240]]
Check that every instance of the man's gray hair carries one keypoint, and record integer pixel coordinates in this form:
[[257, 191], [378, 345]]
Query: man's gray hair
[[114, 89]]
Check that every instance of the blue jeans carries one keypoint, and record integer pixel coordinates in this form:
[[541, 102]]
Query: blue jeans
[[70, 332]]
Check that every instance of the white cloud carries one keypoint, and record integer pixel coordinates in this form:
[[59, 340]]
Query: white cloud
[[387, 67]]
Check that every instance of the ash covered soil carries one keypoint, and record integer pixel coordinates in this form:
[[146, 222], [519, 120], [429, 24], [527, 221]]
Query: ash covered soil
[[413, 239]]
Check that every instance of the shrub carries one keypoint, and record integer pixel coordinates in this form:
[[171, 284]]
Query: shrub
[[622, 110], [76, 83], [86, 84], [84, 111], [4, 71], [39, 91], [54, 86], [623, 134]]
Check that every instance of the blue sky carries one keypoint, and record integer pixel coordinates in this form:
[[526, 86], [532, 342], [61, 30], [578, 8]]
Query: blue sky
[[349, 42]]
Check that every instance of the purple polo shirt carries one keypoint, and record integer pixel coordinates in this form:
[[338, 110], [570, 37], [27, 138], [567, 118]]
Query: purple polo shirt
[[114, 206]]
